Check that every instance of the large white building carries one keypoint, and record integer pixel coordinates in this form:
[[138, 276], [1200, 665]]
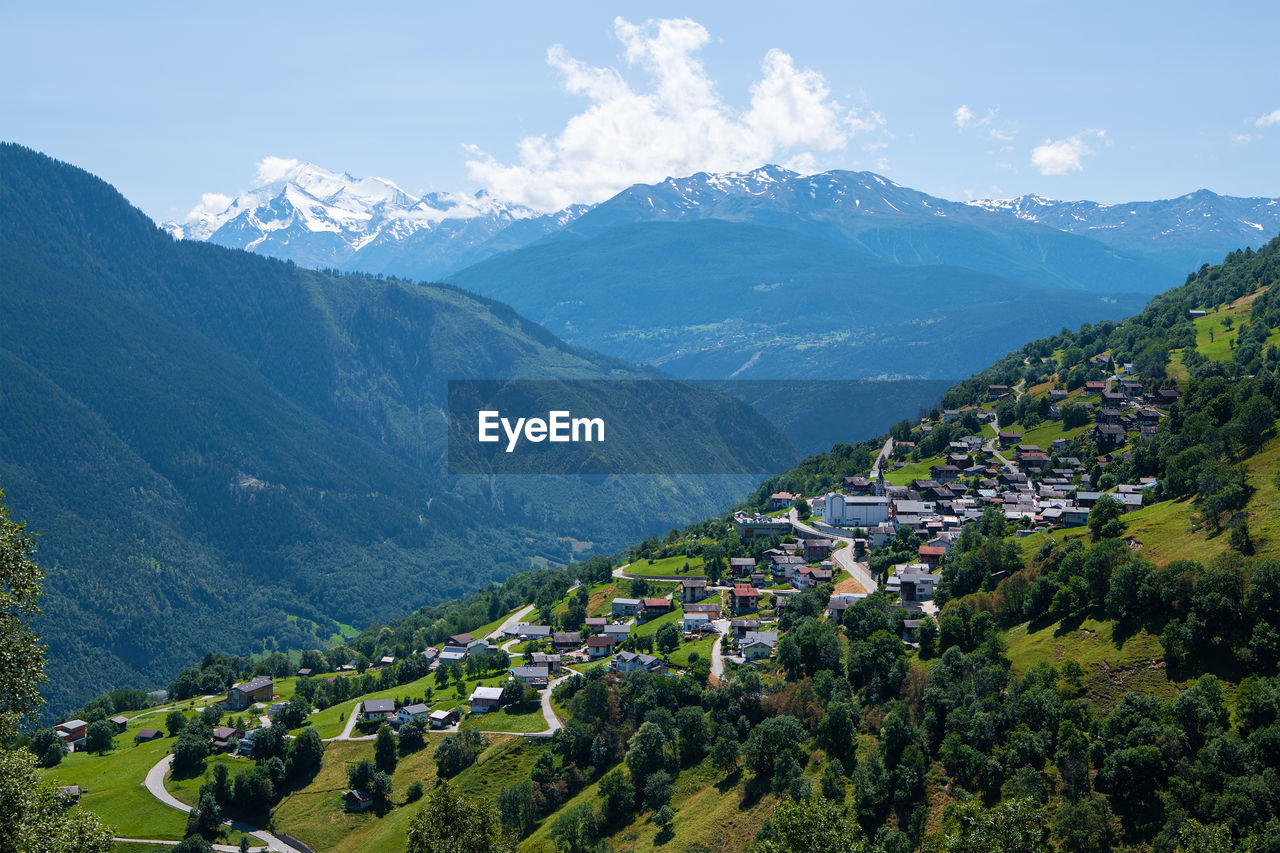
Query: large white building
[[855, 511]]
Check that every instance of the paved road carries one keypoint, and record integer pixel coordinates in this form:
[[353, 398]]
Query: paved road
[[155, 784], [351, 724], [881, 457], [511, 623], [221, 848], [717, 656], [843, 557]]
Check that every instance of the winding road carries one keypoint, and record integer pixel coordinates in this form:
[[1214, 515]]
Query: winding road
[[155, 784]]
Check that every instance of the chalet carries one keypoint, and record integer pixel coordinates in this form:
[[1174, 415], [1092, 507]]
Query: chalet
[[703, 607], [757, 580], [626, 606], [931, 555], [758, 645], [357, 800], [916, 583], [740, 627], [566, 640], [387, 660], [1112, 398], [995, 392], [950, 416], [693, 590], [551, 662], [741, 566], [145, 735], [1167, 396], [68, 795], [600, 647], [534, 676], [1057, 395], [305, 672], [816, 549], [121, 723], [857, 486], [627, 662], [242, 695], [220, 738], [911, 630], [595, 624], [442, 719], [416, 711], [1109, 435], [842, 601], [485, 699], [377, 710], [1074, 515], [1034, 461], [945, 473], [1008, 438], [1147, 417], [430, 654], [655, 607], [1094, 387], [477, 647], [463, 640], [744, 598], [452, 654], [1131, 388], [1102, 359], [1107, 415]]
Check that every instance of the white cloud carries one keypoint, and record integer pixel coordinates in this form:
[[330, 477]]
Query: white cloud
[[679, 125], [274, 168], [1269, 119], [1062, 156], [211, 204], [964, 115], [1245, 138]]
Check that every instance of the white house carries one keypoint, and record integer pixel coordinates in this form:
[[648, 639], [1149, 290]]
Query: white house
[[485, 699]]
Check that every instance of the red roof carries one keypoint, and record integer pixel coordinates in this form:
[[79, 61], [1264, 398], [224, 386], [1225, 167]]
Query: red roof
[[932, 551], [600, 642], [656, 602], [742, 590]]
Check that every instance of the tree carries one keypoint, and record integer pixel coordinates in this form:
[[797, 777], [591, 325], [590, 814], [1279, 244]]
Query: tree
[[449, 821], [306, 755], [175, 722], [1105, 511], [811, 826], [619, 796], [517, 810], [774, 741], [206, 816], [664, 817], [657, 790], [31, 816], [414, 793], [1013, 826], [668, 638], [648, 752], [211, 715], [193, 844], [724, 755], [576, 830], [384, 750], [803, 511], [694, 735], [100, 736], [190, 749], [411, 737], [294, 713], [53, 755]]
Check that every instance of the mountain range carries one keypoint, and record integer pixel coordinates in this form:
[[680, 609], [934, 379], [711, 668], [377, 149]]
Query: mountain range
[[762, 274]]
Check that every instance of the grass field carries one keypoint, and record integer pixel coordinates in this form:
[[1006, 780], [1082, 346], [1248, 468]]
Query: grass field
[[526, 722], [1045, 434], [668, 567], [912, 471], [680, 657], [1111, 670]]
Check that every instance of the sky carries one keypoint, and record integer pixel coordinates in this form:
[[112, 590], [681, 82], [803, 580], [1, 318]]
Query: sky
[[546, 104]]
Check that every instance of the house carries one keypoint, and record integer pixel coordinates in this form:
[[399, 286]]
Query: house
[[694, 622], [1008, 438], [430, 654], [462, 640], [760, 526], [944, 473], [305, 672], [452, 654], [68, 795], [71, 733], [628, 662], [416, 711], [145, 735], [626, 606], [931, 555], [816, 549], [741, 566], [1095, 387], [916, 583], [740, 627], [121, 723], [220, 737], [757, 645], [551, 662], [1109, 435], [242, 695], [377, 710], [995, 392], [744, 597], [842, 601], [600, 647], [654, 607], [617, 632], [693, 589], [534, 676], [782, 500], [703, 607], [357, 800], [485, 699], [478, 647], [526, 631], [911, 630], [442, 719], [566, 640], [595, 624]]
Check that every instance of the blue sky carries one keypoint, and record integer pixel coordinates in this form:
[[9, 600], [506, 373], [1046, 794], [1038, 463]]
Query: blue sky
[[1106, 101]]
